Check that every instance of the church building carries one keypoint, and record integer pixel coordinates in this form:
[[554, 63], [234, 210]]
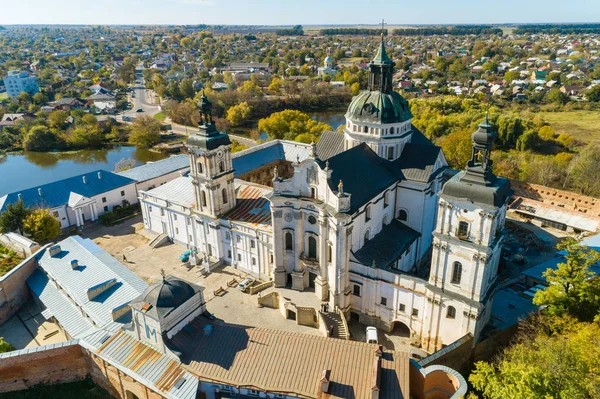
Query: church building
[[370, 220]]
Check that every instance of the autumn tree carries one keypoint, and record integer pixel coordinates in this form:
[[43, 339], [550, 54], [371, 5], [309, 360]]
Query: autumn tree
[[5, 346], [57, 119], [13, 217], [289, 124], [457, 147], [145, 132], [41, 225], [239, 114]]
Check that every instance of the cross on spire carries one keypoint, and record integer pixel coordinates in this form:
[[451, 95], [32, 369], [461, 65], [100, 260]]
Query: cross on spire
[[382, 29]]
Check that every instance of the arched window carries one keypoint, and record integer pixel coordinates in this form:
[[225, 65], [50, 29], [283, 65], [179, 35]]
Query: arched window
[[224, 193], [391, 130], [365, 129], [313, 192], [403, 215], [367, 236], [463, 229], [221, 167], [390, 154], [451, 312], [200, 167], [312, 247], [367, 213], [203, 198], [289, 244], [456, 273], [329, 253]]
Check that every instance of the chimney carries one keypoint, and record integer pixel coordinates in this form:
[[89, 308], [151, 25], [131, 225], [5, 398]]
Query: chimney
[[325, 378], [84, 180], [40, 192], [99, 175], [54, 250], [19, 196], [379, 351], [74, 264], [376, 378]]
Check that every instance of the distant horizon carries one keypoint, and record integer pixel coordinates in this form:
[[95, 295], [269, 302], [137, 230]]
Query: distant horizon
[[294, 12], [374, 26]]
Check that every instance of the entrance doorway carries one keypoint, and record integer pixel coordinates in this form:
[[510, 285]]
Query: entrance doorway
[[291, 315], [311, 279], [400, 329], [164, 227], [289, 279], [354, 316]]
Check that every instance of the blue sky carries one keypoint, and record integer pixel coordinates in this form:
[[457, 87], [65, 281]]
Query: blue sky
[[308, 12]]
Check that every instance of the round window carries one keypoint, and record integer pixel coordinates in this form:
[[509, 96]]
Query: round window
[[312, 219]]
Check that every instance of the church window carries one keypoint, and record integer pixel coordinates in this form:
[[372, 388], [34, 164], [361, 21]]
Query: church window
[[203, 198], [149, 209], [367, 236], [189, 221], [312, 247], [403, 215], [463, 229], [456, 273], [224, 193], [329, 253], [288, 242], [209, 250], [200, 168], [227, 236], [103, 199], [383, 301], [162, 212], [385, 200], [253, 261], [176, 230], [356, 290], [312, 219], [390, 154], [239, 257], [451, 312], [391, 130], [415, 312], [402, 307], [313, 192], [354, 128], [221, 167], [252, 244], [367, 213], [229, 253], [238, 239], [174, 217], [366, 129]]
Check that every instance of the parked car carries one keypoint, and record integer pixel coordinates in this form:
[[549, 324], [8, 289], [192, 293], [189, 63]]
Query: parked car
[[372, 335], [246, 283], [139, 110]]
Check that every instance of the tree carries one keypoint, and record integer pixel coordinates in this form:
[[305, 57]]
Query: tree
[[457, 146], [556, 96], [528, 140], [13, 217], [124, 164], [57, 119], [236, 146], [40, 98], [593, 94], [5, 346], [145, 132], [86, 136], [238, 114], [41, 225], [275, 85], [546, 133], [40, 138], [355, 88], [585, 169], [289, 124], [573, 288], [186, 88]]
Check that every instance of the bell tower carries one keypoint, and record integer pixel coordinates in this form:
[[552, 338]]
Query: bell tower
[[210, 165]]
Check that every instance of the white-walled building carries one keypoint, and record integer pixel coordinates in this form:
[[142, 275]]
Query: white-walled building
[[18, 82], [368, 220], [77, 200], [154, 174]]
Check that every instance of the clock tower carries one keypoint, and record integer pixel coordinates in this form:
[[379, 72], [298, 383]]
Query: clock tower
[[211, 166]]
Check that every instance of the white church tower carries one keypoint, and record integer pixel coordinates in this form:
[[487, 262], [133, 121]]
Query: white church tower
[[211, 166], [467, 243]]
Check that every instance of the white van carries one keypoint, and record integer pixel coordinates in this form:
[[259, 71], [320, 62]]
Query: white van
[[372, 335]]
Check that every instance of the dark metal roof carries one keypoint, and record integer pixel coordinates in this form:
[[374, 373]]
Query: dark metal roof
[[387, 246], [330, 144], [208, 138], [492, 193], [417, 162], [167, 294], [379, 107]]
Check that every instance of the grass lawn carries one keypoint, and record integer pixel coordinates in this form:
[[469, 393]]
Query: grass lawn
[[73, 390], [583, 125], [160, 116]]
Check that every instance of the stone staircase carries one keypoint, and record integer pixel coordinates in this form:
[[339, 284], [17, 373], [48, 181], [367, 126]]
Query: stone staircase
[[335, 320], [159, 241]]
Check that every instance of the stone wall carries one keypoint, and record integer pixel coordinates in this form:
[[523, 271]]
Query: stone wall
[[307, 316], [13, 288], [57, 363], [19, 244], [264, 174]]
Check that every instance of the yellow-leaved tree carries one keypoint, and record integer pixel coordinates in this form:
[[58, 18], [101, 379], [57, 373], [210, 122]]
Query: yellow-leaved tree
[[41, 225]]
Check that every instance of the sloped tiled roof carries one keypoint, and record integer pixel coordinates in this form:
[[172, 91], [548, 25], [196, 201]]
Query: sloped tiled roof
[[251, 206]]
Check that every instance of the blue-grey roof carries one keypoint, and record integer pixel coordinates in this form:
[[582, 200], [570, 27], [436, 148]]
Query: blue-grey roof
[[264, 154], [510, 306], [57, 193], [95, 267], [537, 272], [156, 169]]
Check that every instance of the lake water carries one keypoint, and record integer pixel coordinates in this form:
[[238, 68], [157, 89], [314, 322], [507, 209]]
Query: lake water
[[28, 169]]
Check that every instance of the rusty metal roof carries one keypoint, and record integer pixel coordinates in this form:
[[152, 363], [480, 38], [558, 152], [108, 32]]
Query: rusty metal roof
[[290, 363], [252, 208], [149, 366]]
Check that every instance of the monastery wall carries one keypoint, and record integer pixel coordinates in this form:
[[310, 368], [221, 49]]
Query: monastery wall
[[13, 288], [57, 363]]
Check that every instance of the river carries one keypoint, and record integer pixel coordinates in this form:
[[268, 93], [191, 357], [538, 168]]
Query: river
[[29, 169]]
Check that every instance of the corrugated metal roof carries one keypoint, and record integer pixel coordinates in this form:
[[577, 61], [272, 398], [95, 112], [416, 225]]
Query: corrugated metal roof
[[152, 170], [57, 193], [149, 366], [95, 267], [266, 153], [330, 144], [179, 191], [67, 314], [251, 206], [293, 363]]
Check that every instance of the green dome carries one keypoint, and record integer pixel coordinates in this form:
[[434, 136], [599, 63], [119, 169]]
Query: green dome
[[378, 107]]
